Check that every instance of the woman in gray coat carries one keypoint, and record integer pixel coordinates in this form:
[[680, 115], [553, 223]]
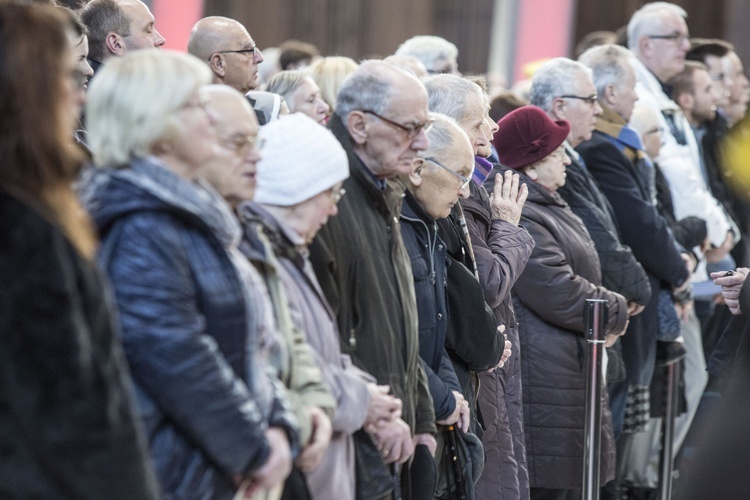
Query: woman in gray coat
[[562, 272]]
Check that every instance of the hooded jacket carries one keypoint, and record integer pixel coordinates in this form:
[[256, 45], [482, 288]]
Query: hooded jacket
[[169, 248]]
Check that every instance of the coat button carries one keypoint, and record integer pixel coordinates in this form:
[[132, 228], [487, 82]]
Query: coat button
[[439, 315]]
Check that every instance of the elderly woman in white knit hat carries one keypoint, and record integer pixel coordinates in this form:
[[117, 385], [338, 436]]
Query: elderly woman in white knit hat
[[299, 182]]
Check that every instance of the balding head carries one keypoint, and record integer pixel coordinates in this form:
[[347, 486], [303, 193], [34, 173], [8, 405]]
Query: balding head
[[228, 49]]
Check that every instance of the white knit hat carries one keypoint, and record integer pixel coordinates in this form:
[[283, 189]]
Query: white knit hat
[[299, 159]]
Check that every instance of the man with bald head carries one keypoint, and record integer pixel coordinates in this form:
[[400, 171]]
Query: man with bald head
[[381, 120], [117, 27], [229, 50]]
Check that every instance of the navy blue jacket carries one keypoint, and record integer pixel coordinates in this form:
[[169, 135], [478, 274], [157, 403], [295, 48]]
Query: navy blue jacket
[[184, 319], [429, 263]]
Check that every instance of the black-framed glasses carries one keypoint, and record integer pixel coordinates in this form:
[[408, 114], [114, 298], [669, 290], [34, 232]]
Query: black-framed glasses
[[250, 51], [464, 180], [412, 130], [591, 100], [672, 37], [242, 145]]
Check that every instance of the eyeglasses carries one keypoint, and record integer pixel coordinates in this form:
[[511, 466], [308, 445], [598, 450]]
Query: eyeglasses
[[250, 51], [336, 194], [412, 131], [678, 37], [464, 180], [242, 145], [656, 130], [590, 100]]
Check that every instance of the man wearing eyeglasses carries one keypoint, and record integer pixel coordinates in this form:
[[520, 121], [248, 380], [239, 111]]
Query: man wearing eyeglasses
[[117, 27], [565, 90], [658, 37], [381, 120], [229, 50]]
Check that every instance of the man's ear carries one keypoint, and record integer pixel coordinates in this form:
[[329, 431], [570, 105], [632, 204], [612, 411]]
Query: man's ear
[[610, 95], [685, 101], [356, 125], [646, 46], [558, 108], [415, 176], [216, 62], [115, 44]]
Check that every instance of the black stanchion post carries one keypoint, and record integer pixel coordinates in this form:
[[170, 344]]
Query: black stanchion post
[[666, 458], [595, 314]]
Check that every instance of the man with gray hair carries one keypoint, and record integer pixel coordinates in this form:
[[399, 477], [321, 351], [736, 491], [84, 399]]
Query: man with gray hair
[[381, 119], [617, 160], [436, 53], [658, 37], [117, 27], [498, 248], [565, 90]]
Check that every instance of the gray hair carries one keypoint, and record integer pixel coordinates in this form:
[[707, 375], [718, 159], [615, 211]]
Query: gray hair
[[649, 18], [608, 64], [431, 50], [553, 79], [443, 135], [367, 88], [133, 102], [449, 95], [286, 82]]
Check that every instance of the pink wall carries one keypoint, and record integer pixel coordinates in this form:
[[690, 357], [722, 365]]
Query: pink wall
[[543, 30], [175, 18]]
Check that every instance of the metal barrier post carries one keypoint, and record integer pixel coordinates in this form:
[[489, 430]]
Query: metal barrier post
[[595, 314], [666, 458]]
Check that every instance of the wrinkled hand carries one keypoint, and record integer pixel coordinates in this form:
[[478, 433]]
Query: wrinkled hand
[[717, 254], [610, 340], [461, 409], [278, 465], [507, 346], [383, 407], [507, 198], [312, 453], [690, 264], [394, 442], [682, 310], [634, 308], [428, 440], [731, 286]]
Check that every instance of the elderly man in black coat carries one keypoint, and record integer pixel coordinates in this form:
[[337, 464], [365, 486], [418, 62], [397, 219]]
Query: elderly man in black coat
[[359, 257]]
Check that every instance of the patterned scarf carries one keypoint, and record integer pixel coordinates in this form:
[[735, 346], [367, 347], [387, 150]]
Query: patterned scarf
[[617, 131]]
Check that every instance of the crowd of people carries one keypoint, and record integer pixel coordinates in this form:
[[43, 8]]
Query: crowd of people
[[311, 278]]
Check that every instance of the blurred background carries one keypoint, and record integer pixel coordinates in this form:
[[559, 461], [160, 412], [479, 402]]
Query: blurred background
[[493, 36]]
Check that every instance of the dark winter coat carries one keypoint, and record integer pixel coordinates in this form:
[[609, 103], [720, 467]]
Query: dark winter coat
[[169, 248], [68, 424], [621, 271], [501, 251], [626, 186], [428, 258], [364, 271], [549, 299]]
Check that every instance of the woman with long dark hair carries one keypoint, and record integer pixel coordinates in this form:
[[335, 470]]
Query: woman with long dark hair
[[67, 424]]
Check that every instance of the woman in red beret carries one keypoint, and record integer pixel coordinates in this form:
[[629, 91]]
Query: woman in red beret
[[549, 299]]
